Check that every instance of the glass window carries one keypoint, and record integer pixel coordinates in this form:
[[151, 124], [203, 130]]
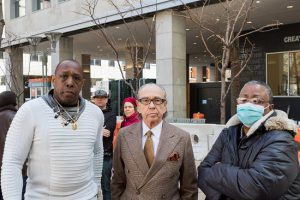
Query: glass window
[[34, 58], [147, 66], [2, 80], [95, 81], [96, 62], [17, 8], [283, 73], [111, 63], [40, 4], [39, 92], [294, 74], [36, 92]]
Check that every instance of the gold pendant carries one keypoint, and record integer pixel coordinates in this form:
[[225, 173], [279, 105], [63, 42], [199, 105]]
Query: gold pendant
[[74, 126]]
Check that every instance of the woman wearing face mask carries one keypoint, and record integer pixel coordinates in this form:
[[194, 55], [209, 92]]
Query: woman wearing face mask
[[255, 156]]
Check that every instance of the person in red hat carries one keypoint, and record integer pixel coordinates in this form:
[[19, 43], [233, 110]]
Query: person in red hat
[[130, 114]]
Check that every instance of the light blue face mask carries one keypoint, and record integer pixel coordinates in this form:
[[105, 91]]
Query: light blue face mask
[[249, 113]]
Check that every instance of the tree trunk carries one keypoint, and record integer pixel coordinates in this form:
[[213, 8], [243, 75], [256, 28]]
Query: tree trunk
[[223, 99], [225, 63], [14, 73], [1, 21], [235, 86]]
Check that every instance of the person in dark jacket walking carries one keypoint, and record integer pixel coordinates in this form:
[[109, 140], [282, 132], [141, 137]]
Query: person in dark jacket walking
[[101, 100], [255, 156], [7, 113]]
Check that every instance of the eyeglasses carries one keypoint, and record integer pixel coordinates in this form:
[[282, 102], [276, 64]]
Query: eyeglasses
[[147, 101], [242, 100]]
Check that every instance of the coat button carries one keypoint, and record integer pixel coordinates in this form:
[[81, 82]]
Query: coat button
[[163, 196], [138, 192]]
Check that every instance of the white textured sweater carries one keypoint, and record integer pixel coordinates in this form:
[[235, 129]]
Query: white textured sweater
[[62, 163]]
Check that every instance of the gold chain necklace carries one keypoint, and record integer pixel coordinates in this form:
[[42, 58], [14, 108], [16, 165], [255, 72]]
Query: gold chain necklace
[[65, 120]]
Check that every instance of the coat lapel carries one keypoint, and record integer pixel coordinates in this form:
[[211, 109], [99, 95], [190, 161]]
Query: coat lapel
[[167, 142], [134, 142]]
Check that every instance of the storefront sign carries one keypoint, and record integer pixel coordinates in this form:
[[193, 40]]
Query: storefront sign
[[291, 39]]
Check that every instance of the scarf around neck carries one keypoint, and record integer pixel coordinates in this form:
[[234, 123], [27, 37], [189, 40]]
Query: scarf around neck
[[64, 111]]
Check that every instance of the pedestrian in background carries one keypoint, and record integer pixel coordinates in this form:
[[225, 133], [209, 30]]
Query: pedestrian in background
[[255, 156], [101, 100], [60, 135], [130, 116], [153, 159], [130, 112], [7, 112]]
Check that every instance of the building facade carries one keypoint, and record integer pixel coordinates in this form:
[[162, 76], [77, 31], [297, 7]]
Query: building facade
[[174, 45]]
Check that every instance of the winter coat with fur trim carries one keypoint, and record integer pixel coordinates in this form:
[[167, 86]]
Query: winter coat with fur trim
[[262, 165]]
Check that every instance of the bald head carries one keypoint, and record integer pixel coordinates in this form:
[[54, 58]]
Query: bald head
[[62, 63], [152, 85], [67, 82]]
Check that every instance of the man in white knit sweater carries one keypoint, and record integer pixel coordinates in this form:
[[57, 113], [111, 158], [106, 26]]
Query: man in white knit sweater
[[59, 133]]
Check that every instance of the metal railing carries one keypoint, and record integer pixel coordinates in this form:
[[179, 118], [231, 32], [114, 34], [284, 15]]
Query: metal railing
[[185, 120]]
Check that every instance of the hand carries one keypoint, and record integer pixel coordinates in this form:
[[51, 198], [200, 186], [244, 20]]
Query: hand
[[105, 133], [99, 195]]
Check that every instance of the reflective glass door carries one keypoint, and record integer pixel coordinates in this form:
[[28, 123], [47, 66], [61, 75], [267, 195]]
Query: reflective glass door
[[283, 73]]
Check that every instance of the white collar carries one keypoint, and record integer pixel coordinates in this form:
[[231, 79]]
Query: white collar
[[155, 130]]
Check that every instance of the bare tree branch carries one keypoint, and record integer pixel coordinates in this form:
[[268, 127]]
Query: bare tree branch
[[235, 16], [132, 45], [238, 16], [243, 65]]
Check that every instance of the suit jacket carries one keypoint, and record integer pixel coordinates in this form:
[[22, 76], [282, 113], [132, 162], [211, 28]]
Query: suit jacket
[[171, 176]]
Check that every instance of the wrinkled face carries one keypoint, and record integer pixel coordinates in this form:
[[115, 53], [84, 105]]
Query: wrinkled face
[[255, 94], [68, 81], [101, 101], [152, 105], [128, 109]]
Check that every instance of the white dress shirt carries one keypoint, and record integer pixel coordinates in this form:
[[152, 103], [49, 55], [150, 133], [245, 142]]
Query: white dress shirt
[[155, 137]]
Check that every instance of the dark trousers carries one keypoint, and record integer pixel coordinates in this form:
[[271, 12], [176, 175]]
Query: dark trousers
[[106, 177], [24, 186], [1, 197]]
